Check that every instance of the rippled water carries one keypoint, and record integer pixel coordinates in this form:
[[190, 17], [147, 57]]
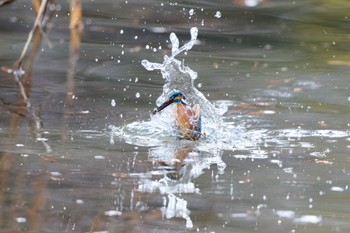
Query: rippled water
[[272, 80]]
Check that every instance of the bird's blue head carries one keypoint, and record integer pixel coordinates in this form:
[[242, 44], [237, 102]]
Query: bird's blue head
[[176, 97]]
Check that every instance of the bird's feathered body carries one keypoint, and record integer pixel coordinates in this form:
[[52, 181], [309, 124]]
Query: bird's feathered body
[[188, 120]]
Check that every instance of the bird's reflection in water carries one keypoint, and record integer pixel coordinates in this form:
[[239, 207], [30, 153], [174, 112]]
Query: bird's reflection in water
[[176, 166], [179, 167]]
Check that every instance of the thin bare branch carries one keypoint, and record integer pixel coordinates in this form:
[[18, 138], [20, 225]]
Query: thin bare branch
[[37, 23]]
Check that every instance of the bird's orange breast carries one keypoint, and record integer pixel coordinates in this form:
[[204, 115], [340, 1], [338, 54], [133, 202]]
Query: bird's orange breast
[[187, 121]]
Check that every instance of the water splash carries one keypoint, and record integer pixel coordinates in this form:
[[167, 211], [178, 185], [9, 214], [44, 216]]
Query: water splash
[[181, 77], [177, 76]]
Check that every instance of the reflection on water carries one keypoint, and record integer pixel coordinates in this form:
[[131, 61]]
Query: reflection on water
[[277, 162]]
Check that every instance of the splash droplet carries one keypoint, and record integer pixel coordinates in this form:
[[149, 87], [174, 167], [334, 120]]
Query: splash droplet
[[113, 103], [175, 42], [217, 15], [21, 220], [337, 189]]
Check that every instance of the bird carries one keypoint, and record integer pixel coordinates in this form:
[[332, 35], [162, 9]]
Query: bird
[[187, 119]]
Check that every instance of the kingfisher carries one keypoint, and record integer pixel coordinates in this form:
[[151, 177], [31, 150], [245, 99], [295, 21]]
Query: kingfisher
[[187, 119]]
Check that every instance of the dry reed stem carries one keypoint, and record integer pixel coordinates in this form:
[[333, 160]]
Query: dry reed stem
[[18, 72], [37, 23], [76, 27], [76, 15]]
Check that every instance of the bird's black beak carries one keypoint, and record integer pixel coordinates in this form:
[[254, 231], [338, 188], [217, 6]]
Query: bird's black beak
[[164, 105]]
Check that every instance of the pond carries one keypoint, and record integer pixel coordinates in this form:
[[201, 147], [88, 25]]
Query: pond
[[84, 153]]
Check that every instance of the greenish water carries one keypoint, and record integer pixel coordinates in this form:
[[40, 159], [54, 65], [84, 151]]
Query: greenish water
[[281, 68]]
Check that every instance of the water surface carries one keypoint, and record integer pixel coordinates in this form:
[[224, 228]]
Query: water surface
[[280, 162]]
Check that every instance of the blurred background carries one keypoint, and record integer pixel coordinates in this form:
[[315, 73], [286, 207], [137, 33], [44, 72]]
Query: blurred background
[[281, 67]]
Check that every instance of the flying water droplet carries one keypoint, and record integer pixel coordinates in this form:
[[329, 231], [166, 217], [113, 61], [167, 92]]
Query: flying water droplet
[[113, 103], [217, 15], [175, 42], [21, 220], [151, 66], [194, 34]]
